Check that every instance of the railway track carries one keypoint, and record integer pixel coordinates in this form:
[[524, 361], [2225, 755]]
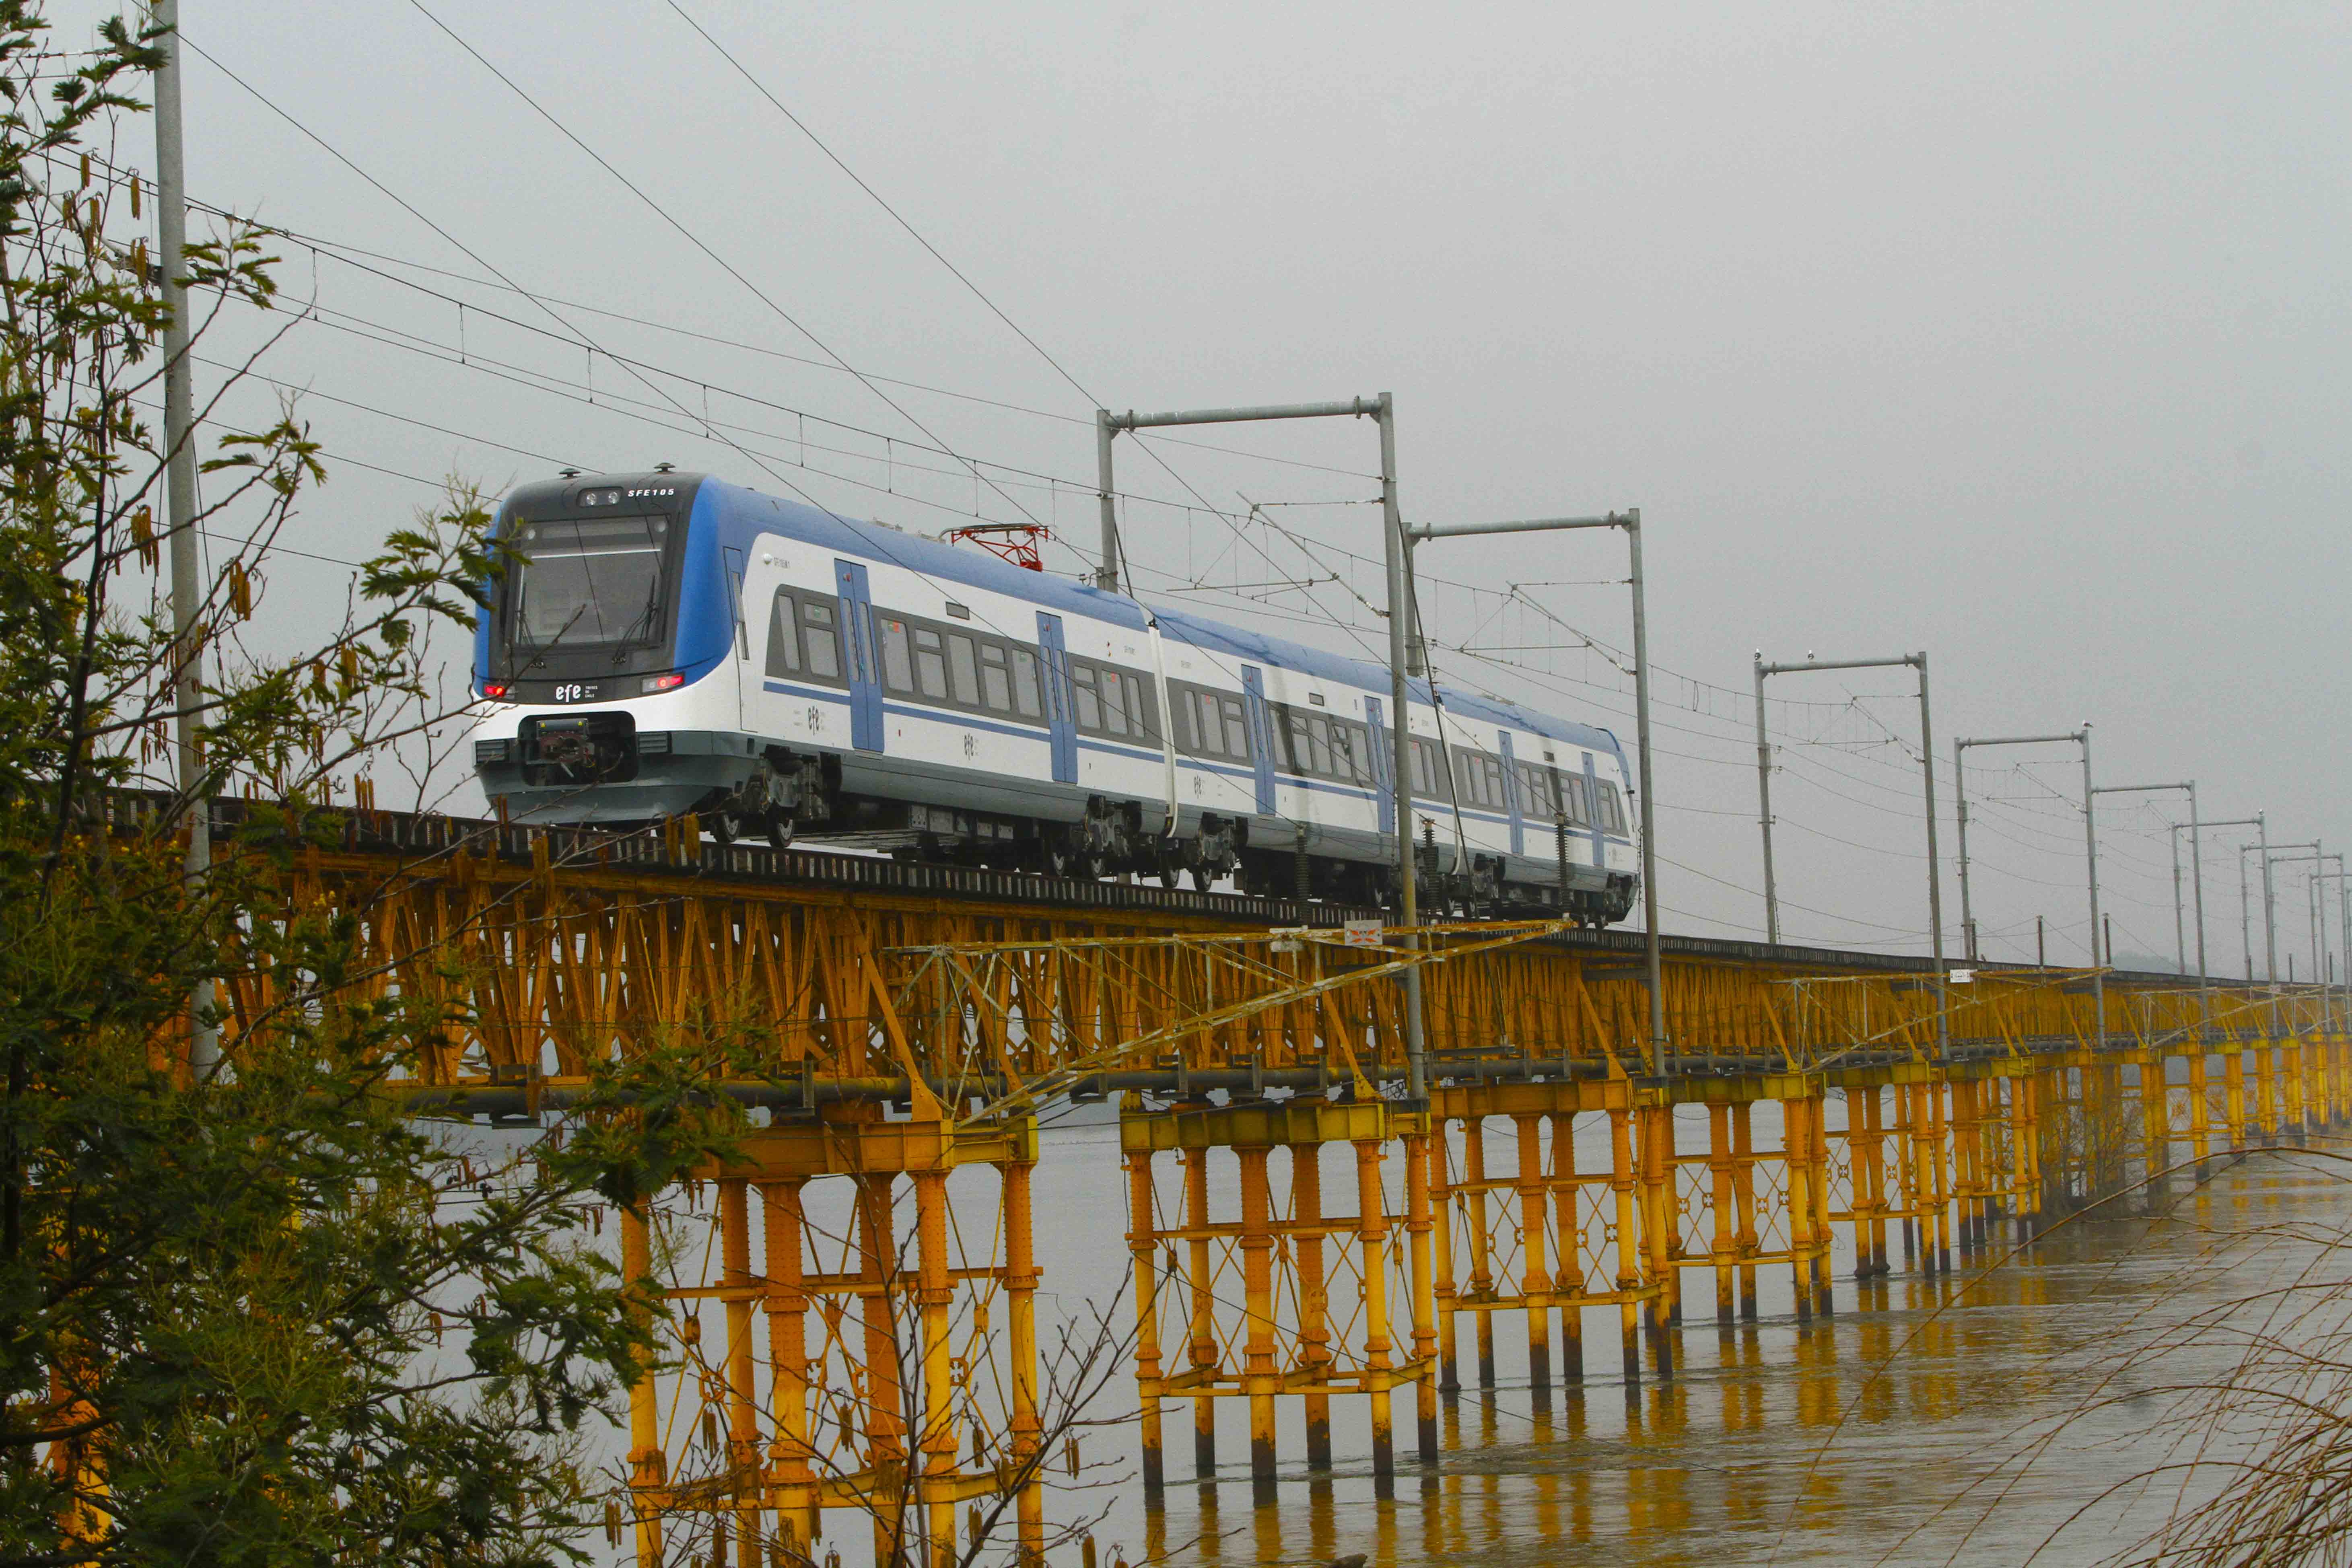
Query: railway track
[[423, 837]]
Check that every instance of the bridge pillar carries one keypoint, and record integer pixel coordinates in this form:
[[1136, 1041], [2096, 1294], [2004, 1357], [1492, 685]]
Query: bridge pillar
[[1535, 1275], [2155, 1121], [1287, 1247], [2235, 1104], [2266, 1094], [1569, 1275], [1867, 1157], [831, 1432], [1743, 1195], [2200, 1112], [1725, 1246]]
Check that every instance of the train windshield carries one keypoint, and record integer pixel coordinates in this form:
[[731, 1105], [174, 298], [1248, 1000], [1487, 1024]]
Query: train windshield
[[588, 581]]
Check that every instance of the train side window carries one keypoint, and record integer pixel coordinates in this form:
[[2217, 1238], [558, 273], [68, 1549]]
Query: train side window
[[897, 656], [931, 664], [1208, 722], [1142, 711], [1024, 683], [996, 679], [1289, 732], [1113, 703], [783, 636], [1082, 678], [1572, 794], [1429, 776], [1540, 797], [963, 670], [1613, 808], [1237, 742], [1200, 729], [1319, 741], [1348, 763], [824, 640]]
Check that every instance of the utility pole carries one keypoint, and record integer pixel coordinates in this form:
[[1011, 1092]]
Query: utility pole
[[1382, 409], [180, 499], [2081, 737], [1107, 567], [1928, 770], [2179, 941]]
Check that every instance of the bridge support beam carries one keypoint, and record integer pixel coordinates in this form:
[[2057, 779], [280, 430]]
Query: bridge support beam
[[810, 1430], [1290, 1247]]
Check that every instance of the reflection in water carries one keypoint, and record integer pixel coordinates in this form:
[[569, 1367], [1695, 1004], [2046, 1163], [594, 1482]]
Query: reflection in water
[[1878, 1433]]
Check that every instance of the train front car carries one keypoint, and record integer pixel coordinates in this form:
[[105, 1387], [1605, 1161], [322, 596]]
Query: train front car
[[606, 658]]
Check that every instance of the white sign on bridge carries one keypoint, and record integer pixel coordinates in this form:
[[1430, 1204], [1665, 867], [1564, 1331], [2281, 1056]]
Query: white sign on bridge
[[1363, 933]]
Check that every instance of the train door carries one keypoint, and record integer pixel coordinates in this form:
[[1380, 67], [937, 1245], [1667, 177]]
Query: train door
[[1260, 734], [1055, 656], [1593, 810], [1511, 796], [1383, 746], [734, 563], [857, 665]]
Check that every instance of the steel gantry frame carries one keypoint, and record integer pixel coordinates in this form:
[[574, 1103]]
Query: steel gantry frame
[[864, 1344], [1919, 662]]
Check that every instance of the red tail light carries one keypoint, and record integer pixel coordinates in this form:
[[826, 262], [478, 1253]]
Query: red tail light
[[668, 683], [495, 688]]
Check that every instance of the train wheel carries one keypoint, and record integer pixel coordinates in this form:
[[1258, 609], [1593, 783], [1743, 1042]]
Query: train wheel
[[779, 829], [724, 825]]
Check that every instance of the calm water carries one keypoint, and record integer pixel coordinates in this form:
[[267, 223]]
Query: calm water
[[1921, 1423]]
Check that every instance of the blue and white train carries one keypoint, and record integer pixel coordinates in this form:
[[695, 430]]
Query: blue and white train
[[665, 644]]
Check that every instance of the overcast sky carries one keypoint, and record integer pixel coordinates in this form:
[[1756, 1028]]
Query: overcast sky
[[2013, 333]]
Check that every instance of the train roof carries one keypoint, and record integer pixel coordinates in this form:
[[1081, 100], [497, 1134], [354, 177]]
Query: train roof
[[739, 506]]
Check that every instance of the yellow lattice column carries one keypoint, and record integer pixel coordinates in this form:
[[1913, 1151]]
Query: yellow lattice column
[[936, 1441], [1314, 1328], [884, 1427], [2156, 1109], [2200, 1111], [1797, 1174], [1964, 1174], [1371, 1211], [1745, 1238], [1866, 1146], [1021, 1311], [1937, 1190], [1482, 1255], [1142, 1243], [1258, 1371], [1724, 1248], [1421, 1153], [1623, 1183], [742, 1414], [1535, 1274], [648, 1465], [1817, 1150], [1656, 1128], [1203, 1348], [1570, 1274], [2266, 1122], [2235, 1106], [791, 1474], [2292, 1081], [1443, 1208]]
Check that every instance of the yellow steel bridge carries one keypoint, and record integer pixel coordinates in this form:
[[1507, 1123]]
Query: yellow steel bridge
[[900, 1028]]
